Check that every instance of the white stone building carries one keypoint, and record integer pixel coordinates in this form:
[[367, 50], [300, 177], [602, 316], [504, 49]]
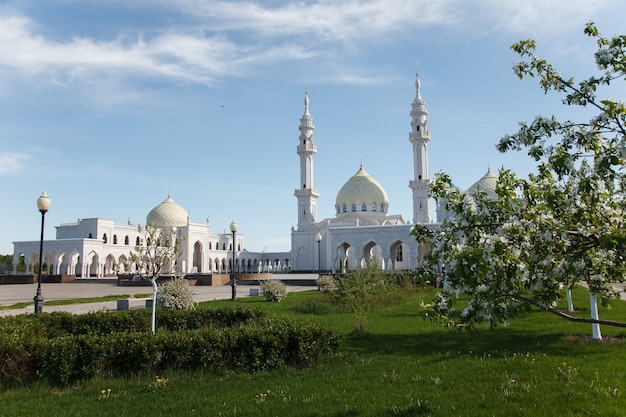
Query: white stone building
[[98, 247], [362, 229]]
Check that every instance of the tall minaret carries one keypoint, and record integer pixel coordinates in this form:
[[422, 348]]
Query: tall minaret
[[307, 195], [419, 138]]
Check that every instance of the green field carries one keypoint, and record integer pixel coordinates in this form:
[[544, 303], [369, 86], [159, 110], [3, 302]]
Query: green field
[[401, 365]]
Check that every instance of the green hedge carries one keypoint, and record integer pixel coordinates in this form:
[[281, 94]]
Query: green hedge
[[63, 348]]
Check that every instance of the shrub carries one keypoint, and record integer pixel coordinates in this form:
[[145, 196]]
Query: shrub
[[327, 283], [176, 294], [64, 349], [366, 289], [273, 290]]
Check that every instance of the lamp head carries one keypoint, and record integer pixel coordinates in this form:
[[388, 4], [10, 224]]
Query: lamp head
[[43, 202], [233, 226], [318, 237]]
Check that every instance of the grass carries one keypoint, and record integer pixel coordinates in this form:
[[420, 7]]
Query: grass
[[76, 301], [401, 365]]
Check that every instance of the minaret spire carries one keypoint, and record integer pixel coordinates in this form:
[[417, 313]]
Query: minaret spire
[[419, 138], [307, 195], [306, 102], [417, 84]]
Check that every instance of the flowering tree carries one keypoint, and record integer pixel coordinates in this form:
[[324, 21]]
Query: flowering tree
[[154, 256], [563, 225]]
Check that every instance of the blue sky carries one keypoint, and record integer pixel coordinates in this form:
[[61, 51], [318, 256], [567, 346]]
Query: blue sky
[[109, 106]]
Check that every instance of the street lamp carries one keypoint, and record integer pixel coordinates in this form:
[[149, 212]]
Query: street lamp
[[233, 282], [318, 238], [43, 204]]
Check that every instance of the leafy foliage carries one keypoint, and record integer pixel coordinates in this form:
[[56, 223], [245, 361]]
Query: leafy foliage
[[176, 294], [273, 290], [156, 254], [327, 283], [563, 225], [63, 348], [6, 264]]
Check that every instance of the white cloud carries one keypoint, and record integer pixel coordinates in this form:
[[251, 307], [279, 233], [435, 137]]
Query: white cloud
[[220, 39], [544, 18], [11, 162], [171, 55], [352, 19], [337, 21]]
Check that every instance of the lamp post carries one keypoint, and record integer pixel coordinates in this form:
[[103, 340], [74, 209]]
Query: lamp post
[[43, 204], [233, 282], [318, 238]]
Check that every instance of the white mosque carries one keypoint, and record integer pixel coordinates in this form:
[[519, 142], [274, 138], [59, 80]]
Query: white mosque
[[361, 231]]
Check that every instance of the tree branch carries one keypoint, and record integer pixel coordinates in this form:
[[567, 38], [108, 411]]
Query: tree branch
[[567, 316]]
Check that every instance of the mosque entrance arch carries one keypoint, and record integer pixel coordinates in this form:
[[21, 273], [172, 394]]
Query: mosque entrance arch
[[372, 254], [345, 257], [399, 256], [60, 263], [73, 267], [109, 265], [197, 257], [121, 264], [423, 250], [93, 265]]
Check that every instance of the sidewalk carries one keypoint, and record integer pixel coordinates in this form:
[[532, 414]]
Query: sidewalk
[[17, 293]]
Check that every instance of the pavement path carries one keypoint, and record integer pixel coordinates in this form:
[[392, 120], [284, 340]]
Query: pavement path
[[16, 293]]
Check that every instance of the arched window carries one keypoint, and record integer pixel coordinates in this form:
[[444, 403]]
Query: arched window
[[230, 246], [382, 207], [345, 208], [115, 239], [138, 241], [210, 246], [126, 240], [363, 207], [239, 247], [373, 206], [90, 236], [104, 238], [224, 246], [353, 207]]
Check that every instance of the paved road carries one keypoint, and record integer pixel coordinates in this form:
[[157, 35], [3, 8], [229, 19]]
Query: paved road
[[17, 293]]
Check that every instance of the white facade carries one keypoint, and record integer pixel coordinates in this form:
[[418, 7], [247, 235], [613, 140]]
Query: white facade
[[98, 247], [362, 229]]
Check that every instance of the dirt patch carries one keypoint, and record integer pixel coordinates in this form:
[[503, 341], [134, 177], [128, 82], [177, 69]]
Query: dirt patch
[[589, 339]]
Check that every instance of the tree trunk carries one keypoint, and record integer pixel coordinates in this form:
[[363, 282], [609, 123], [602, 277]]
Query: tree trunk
[[595, 327], [570, 304]]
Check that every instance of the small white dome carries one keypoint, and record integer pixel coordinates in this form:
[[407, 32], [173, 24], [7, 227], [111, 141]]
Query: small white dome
[[487, 184], [168, 213], [362, 190]]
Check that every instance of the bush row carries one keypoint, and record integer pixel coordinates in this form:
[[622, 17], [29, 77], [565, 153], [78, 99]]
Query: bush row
[[57, 324], [264, 344]]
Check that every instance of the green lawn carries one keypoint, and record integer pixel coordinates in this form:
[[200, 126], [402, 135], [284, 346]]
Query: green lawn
[[401, 365], [86, 300]]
